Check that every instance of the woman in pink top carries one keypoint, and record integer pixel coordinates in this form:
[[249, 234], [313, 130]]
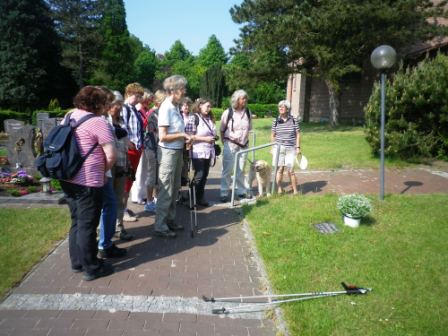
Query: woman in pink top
[[235, 126], [84, 193], [202, 127]]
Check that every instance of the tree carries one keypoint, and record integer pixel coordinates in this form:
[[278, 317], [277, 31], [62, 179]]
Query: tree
[[212, 54], [77, 23], [213, 84], [115, 66], [30, 68], [145, 67], [330, 38], [178, 60]]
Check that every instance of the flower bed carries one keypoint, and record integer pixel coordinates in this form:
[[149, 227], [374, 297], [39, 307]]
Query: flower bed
[[17, 183]]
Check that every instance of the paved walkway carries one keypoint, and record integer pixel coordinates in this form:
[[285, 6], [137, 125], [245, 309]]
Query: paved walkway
[[157, 287]]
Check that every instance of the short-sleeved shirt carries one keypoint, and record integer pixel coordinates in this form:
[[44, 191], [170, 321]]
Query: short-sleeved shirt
[[92, 131], [238, 128], [285, 131], [205, 127], [171, 117]]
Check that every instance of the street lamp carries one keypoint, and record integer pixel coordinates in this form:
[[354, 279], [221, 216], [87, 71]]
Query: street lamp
[[383, 58]]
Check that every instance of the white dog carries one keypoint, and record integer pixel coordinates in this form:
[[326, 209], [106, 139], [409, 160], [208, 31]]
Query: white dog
[[263, 174]]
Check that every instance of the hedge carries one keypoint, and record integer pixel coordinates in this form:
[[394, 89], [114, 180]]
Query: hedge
[[9, 114]]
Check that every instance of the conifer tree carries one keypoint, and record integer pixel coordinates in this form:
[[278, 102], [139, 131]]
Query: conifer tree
[[30, 68]]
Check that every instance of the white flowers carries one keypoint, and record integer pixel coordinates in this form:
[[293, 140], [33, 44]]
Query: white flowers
[[354, 205]]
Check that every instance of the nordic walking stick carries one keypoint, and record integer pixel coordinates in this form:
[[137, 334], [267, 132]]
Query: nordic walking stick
[[349, 290]]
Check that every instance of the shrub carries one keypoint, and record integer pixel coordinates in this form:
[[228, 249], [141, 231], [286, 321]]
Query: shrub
[[416, 112]]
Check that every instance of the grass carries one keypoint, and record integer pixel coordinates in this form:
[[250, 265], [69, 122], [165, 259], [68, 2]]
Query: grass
[[400, 252], [26, 235], [344, 147]]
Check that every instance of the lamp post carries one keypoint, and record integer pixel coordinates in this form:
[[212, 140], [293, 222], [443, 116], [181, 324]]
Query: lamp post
[[383, 58]]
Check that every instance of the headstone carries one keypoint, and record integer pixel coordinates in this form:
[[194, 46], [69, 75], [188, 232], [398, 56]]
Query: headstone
[[20, 147], [40, 117], [12, 124], [47, 125]]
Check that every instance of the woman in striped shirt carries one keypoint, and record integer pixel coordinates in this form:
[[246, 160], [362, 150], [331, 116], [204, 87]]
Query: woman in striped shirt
[[285, 132]]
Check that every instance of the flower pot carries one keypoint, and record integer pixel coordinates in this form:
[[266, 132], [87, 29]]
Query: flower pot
[[352, 222]]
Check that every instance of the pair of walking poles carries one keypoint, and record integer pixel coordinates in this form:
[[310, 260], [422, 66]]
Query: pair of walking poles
[[278, 299]]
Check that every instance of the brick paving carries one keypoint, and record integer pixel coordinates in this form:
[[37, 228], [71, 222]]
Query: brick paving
[[157, 287]]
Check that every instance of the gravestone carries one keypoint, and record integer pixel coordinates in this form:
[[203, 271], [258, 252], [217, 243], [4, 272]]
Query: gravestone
[[41, 117], [12, 124], [47, 125], [20, 146]]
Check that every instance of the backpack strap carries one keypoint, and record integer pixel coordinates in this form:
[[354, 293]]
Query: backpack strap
[[230, 116], [74, 124], [196, 119]]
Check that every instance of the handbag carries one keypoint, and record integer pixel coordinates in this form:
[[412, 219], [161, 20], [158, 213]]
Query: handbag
[[217, 150]]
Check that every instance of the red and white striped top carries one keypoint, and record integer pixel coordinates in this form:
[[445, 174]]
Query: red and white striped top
[[90, 132]]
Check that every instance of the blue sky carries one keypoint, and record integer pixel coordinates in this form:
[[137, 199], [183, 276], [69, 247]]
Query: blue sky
[[159, 23]]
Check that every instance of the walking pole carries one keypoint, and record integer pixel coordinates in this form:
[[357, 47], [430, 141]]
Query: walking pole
[[349, 290]]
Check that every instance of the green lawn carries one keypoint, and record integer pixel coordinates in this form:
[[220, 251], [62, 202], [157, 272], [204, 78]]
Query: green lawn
[[400, 251], [27, 235], [326, 148]]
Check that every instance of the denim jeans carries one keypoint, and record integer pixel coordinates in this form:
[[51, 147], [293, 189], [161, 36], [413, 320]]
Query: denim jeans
[[228, 160], [85, 208], [108, 218]]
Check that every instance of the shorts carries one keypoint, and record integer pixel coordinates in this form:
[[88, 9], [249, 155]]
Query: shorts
[[152, 168], [287, 156]]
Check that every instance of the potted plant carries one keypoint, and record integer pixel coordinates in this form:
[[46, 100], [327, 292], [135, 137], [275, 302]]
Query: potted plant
[[353, 207]]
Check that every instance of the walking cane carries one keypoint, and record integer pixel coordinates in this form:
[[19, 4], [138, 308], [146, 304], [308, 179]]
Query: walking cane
[[279, 298], [192, 195]]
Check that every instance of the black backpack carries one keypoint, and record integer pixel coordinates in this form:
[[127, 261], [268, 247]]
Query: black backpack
[[230, 116], [62, 158]]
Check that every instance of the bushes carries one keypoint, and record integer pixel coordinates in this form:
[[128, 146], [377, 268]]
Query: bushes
[[416, 112]]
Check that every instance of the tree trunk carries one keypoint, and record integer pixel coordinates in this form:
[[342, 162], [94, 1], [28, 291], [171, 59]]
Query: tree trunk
[[334, 103]]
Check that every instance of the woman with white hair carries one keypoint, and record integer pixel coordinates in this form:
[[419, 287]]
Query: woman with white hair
[[235, 126], [285, 132], [172, 137]]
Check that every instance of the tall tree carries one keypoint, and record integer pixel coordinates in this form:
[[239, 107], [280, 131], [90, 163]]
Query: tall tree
[[213, 84], [77, 23], [330, 38], [115, 65], [179, 60], [145, 67], [213, 53], [30, 68]]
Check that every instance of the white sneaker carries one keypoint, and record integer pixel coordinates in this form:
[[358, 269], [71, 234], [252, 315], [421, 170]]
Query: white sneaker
[[127, 217]]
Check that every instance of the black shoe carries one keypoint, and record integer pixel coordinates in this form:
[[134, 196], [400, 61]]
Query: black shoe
[[203, 203], [112, 252], [124, 235], [223, 199], [166, 234], [175, 227], [104, 270], [76, 269]]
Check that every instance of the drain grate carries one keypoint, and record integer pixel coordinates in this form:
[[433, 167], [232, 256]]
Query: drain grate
[[326, 228]]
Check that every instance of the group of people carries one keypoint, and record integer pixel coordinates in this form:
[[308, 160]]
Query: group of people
[[144, 143]]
